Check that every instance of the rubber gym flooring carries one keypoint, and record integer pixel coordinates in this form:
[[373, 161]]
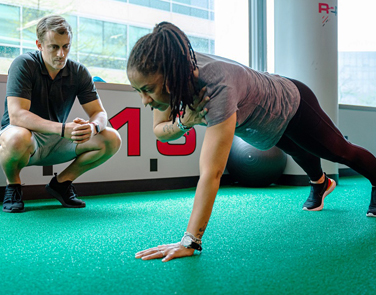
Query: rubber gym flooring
[[258, 241]]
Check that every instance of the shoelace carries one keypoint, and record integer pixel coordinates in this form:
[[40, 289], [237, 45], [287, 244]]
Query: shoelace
[[13, 195], [71, 191]]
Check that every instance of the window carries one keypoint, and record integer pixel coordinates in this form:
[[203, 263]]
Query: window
[[105, 31], [356, 53], [9, 35]]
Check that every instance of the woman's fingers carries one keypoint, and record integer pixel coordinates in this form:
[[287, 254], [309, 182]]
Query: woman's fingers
[[154, 255], [201, 93], [165, 252]]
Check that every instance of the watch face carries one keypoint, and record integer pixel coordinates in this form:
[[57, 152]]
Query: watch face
[[186, 241]]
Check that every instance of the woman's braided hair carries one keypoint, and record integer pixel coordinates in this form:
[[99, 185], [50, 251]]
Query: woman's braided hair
[[167, 51]]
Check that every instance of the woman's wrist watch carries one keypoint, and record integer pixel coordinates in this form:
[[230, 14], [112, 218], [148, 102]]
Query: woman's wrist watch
[[189, 241]]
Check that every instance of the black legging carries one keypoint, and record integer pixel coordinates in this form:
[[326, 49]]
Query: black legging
[[312, 135]]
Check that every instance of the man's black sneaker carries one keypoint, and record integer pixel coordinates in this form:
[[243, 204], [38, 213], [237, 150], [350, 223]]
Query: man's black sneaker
[[13, 199], [372, 206], [315, 201], [65, 193]]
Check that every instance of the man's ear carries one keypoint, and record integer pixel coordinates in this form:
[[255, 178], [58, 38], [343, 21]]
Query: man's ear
[[39, 45]]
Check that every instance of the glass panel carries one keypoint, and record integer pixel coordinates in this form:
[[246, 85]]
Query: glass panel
[[115, 40], [162, 5], [196, 3], [357, 73], [102, 62], [200, 3], [200, 44], [30, 18], [190, 11], [24, 50], [212, 47], [136, 33], [9, 52], [9, 24], [199, 13], [187, 2], [90, 33], [158, 4], [140, 2], [181, 9], [72, 20]]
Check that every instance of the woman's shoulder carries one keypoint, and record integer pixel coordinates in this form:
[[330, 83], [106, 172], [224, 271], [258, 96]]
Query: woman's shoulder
[[217, 70]]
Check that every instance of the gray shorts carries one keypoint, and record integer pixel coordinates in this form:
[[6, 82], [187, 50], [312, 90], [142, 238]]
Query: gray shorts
[[50, 149]]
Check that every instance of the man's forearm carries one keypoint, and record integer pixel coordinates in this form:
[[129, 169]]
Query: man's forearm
[[30, 121]]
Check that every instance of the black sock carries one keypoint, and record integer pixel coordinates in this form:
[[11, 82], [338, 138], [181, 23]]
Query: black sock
[[14, 185]]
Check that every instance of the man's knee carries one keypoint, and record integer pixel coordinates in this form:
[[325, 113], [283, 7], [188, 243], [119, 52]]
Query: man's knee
[[112, 140], [17, 140]]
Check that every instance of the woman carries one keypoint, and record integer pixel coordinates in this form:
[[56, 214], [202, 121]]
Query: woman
[[263, 109]]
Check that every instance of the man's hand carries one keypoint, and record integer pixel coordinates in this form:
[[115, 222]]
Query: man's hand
[[79, 131]]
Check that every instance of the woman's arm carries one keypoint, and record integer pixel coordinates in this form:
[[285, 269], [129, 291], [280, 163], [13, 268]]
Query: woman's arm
[[213, 159], [165, 130]]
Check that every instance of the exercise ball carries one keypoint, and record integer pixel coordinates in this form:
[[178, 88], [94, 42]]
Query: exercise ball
[[252, 167]]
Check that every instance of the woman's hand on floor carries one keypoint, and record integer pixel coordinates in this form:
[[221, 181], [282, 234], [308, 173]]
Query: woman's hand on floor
[[165, 252]]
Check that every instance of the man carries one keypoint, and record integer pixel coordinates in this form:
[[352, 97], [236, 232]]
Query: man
[[41, 89]]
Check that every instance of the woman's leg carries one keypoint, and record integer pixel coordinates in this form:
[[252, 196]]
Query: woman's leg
[[321, 185], [314, 131], [307, 161]]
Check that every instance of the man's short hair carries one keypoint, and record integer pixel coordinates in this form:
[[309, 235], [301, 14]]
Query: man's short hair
[[54, 23]]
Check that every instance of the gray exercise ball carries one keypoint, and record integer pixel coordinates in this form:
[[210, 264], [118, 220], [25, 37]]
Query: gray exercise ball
[[252, 167]]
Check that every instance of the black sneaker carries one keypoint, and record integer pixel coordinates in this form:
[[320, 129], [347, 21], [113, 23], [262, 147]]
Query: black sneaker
[[65, 193], [315, 201], [13, 199], [372, 206]]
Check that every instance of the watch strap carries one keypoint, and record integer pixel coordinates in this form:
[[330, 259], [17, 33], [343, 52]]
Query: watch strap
[[96, 127], [195, 246], [195, 243]]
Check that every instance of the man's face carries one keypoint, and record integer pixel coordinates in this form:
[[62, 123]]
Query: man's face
[[55, 49]]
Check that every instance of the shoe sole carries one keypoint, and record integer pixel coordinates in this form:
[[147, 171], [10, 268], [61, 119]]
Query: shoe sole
[[14, 210], [370, 214], [60, 199], [327, 192]]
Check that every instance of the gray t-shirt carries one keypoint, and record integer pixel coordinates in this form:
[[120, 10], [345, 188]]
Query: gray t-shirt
[[264, 103]]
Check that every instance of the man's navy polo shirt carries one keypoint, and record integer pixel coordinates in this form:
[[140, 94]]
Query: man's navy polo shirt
[[50, 99]]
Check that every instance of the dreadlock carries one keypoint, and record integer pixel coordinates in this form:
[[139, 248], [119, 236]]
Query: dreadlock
[[168, 51]]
